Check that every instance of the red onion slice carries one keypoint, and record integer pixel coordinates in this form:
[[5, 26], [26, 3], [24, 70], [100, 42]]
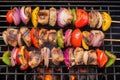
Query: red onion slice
[[59, 18], [25, 14], [67, 37], [16, 16], [24, 18], [13, 56], [64, 17], [66, 57]]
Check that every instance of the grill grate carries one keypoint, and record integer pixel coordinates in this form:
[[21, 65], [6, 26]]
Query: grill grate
[[61, 72]]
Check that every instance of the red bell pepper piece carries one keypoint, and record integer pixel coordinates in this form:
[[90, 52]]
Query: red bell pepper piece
[[34, 37], [18, 57], [22, 58], [82, 18], [76, 38], [9, 16], [102, 58]]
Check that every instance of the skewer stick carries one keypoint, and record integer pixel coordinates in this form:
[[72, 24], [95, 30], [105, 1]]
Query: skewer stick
[[114, 21], [113, 40], [118, 59], [2, 15]]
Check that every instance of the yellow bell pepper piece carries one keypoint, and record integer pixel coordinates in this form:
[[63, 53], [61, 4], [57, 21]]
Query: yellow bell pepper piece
[[106, 21], [34, 17]]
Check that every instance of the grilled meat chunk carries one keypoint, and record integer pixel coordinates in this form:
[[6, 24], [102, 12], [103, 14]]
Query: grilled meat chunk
[[10, 36], [78, 54], [57, 55], [26, 35]]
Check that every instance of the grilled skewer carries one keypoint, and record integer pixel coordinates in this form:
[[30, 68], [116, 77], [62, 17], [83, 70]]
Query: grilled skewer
[[39, 36], [70, 56]]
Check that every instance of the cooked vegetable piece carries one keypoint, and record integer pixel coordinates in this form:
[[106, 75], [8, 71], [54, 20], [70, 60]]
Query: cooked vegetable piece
[[102, 58], [82, 18], [6, 59], [60, 38], [34, 37], [74, 16], [34, 16], [111, 58], [76, 38], [9, 16], [106, 21]]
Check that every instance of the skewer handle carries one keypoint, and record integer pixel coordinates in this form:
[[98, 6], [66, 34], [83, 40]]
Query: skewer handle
[[2, 15], [114, 40], [118, 59], [116, 21]]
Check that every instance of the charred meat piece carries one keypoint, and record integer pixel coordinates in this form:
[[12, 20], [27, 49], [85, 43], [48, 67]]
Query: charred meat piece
[[43, 36], [35, 59], [53, 16], [78, 54], [45, 52], [93, 18], [10, 36], [26, 35], [92, 59], [57, 55], [43, 17], [52, 36], [100, 19], [4, 35], [20, 39], [96, 38], [85, 57]]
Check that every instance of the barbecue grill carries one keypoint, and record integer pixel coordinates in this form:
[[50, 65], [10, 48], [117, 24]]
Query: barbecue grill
[[61, 72]]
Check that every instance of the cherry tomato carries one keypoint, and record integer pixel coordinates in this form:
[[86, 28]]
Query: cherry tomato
[[34, 37], [82, 18], [9, 16], [102, 58], [76, 38]]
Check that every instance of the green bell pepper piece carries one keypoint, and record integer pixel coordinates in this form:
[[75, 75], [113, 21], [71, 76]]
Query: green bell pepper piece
[[74, 16], [111, 59], [60, 38], [5, 58]]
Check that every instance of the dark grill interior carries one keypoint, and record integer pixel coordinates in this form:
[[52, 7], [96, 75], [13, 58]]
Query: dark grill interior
[[61, 72]]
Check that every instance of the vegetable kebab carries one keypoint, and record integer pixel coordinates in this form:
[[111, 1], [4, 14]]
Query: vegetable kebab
[[38, 37], [71, 57], [63, 17]]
